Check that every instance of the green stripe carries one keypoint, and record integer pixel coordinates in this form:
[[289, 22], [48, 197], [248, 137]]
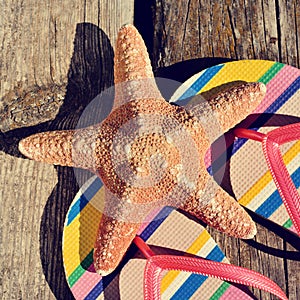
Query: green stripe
[[288, 224], [276, 67], [78, 272], [220, 291]]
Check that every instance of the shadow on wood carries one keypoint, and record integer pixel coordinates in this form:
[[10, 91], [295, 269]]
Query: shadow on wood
[[91, 71]]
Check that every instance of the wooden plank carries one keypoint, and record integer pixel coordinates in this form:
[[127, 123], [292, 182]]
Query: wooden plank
[[37, 42], [231, 29], [56, 56], [27, 186], [289, 28], [293, 287]]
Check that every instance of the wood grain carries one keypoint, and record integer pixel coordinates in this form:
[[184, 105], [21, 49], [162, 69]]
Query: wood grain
[[27, 186], [233, 29], [37, 46], [46, 47]]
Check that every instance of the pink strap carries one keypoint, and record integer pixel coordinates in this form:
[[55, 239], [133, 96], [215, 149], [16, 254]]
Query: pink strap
[[156, 264], [285, 186]]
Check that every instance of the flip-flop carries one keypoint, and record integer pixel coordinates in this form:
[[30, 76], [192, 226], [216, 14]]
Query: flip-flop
[[250, 178], [284, 183], [85, 212], [165, 228]]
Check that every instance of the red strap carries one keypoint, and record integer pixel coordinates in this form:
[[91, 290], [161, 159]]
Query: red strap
[[281, 177], [249, 134], [156, 264]]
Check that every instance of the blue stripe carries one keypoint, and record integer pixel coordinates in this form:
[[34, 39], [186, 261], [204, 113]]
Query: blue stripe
[[93, 188], [262, 119], [84, 199], [76, 208], [96, 291], [194, 281], [148, 231], [155, 223], [274, 201], [190, 286], [216, 254], [201, 82]]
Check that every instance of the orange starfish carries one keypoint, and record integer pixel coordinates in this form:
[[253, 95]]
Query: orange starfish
[[149, 153]]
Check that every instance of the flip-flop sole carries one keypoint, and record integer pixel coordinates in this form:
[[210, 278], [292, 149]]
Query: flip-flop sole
[[253, 189], [250, 178], [167, 229]]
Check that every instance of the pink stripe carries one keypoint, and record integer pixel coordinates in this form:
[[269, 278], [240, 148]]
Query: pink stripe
[[234, 293], [85, 284], [207, 158], [148, 219], [292, 228], [277, 85]]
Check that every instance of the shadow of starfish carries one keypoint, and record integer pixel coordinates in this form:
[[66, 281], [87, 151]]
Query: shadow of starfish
[[90, 72]]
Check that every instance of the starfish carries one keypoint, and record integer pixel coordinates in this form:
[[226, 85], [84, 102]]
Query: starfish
[[149, 152]]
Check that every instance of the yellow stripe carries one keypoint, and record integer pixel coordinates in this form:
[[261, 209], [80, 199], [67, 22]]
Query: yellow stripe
[[253, 191], [253, 70], [71, 246], [79, 240], [193, 249], [266, 178]]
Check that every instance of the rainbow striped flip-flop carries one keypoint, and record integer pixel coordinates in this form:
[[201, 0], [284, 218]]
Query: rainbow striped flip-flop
[[250, 177], [165, 228]]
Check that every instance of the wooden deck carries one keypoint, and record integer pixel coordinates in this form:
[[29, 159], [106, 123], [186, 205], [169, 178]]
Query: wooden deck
[[56, 57]]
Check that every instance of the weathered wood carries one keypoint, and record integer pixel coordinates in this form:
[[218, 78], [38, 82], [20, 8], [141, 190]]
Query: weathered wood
[[232, 29], [26, 186], [289, 32], [37, 37], [293, 286], [37, 46], [47, 48]]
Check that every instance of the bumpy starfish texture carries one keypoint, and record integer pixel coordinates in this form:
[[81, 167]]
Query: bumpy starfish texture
[[149, 152]]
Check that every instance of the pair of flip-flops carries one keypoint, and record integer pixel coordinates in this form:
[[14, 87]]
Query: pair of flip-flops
[[263, 178]]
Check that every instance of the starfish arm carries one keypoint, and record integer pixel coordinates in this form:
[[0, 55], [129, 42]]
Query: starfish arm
[[231, 106], [134, 78], [113, 239], [72, 148], [114, 236], [224, 214], [131, 57], [53, 147]]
